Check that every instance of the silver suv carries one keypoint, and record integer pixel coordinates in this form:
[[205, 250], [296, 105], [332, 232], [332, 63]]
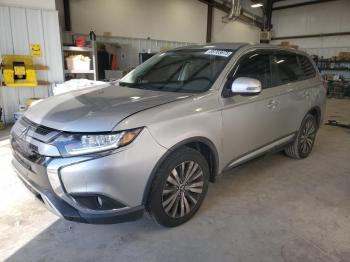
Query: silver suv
[[155, 140]]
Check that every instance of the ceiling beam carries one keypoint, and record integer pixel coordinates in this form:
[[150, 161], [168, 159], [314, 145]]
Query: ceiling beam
[[67, 20], [311, 36], [301, 4], [268, 14], [209, 23]]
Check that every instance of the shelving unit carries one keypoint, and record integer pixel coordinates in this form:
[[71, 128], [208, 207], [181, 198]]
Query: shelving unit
[[66, 71], [75, 50], [337, 73], [335, 65]]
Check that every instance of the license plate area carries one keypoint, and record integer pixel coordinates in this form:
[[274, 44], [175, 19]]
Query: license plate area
[[22, 162], [34, 173]]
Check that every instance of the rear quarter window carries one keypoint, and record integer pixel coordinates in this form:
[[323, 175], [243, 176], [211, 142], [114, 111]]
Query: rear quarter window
[[306, 67]]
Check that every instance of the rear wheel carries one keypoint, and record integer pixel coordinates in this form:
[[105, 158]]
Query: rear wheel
[[304, 142], [179, 188]]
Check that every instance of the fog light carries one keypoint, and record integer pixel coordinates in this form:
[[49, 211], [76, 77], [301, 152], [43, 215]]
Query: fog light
[[96, 201]]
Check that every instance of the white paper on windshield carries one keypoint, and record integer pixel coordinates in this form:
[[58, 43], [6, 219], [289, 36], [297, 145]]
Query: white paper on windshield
[[218, 53]]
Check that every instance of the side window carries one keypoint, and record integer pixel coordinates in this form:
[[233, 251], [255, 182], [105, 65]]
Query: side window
[[306, 67], [255, 66], [285, 69]]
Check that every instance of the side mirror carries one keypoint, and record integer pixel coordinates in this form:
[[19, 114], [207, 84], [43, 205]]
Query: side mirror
[[246, 86]]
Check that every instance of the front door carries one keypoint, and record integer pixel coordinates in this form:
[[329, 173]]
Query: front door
[[249, 122]]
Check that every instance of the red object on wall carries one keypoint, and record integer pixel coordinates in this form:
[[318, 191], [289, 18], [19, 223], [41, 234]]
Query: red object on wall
[[80, 41], [114, 62]]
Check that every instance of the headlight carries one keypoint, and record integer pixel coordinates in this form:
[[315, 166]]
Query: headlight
[[81, 144]]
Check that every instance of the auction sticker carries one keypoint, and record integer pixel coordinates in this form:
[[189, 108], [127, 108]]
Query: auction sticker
[[218, 53]]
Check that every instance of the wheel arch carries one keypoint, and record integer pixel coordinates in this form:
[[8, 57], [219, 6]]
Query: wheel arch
[[201, 144], [316, 112]]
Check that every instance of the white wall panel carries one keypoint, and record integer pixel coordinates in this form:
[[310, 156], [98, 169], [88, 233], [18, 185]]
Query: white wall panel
[[180, 20], [128, 54], [19, 31], [20, 47], [39, 4], [6, 46], [233, 31], [330, 17], [52, 40], [20, 27], [36, 36]]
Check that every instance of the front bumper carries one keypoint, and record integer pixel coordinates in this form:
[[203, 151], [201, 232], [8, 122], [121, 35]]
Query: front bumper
[[61, 208], [121, 175]]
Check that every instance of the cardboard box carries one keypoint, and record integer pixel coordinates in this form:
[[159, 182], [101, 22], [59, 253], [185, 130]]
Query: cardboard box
[[343, 56]]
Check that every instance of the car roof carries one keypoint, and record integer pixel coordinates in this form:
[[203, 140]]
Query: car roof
[[238, 45], [231, 46]]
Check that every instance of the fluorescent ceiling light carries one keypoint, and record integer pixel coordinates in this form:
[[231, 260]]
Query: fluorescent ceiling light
[[257, 5]]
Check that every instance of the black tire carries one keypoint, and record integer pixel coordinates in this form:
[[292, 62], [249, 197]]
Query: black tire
[[187, 202], [304, 142]]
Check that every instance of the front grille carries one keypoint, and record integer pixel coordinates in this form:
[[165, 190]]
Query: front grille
[[37, 131], [22, 133], [43, 130], [36, 128], [33, 141]]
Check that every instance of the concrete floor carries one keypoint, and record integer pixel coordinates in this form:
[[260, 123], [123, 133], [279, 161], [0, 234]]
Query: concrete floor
[[271, 209]]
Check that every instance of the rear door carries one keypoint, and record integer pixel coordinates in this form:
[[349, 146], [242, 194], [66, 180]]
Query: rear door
[[291, 91]]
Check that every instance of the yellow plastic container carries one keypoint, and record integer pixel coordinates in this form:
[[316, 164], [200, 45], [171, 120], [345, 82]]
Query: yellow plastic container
[[18, 70]]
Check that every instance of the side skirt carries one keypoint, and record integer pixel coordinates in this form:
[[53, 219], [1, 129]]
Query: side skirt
[[279, 143]]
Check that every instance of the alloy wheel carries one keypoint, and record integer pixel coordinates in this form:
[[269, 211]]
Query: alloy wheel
[[307, 136], [182, 189]]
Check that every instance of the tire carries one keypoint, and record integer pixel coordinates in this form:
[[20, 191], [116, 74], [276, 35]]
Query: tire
[[179, 187], [304, 142]]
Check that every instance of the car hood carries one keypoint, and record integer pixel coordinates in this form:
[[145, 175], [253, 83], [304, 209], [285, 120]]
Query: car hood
[[97, 109]]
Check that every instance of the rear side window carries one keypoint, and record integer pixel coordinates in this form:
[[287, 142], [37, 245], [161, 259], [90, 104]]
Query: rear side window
[[306, 67], [285, 69], [255, 66]]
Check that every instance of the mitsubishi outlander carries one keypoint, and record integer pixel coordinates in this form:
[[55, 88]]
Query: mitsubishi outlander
[[154, 140]]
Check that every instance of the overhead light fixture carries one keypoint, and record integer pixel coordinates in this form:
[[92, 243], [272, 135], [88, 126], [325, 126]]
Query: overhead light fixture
[[257, 5]]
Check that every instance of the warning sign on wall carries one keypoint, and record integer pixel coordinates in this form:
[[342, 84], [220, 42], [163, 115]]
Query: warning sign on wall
[[35, 49]]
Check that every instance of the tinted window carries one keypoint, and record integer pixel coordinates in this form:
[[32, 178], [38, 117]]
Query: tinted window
[[306, 67], [286, 69], [255, 66]]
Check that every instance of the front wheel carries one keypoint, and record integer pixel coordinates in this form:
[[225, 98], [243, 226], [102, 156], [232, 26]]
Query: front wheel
[[304, 142], [179, 188]]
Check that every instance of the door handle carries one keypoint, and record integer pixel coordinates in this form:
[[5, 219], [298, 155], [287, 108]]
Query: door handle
[[273, 104]]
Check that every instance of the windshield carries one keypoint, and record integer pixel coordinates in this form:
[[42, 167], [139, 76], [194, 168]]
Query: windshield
[[191, 71]]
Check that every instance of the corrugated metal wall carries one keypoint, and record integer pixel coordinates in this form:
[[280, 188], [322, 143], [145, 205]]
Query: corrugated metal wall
[[327, 17], [20, 27], [327, 52], [128, 54]]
